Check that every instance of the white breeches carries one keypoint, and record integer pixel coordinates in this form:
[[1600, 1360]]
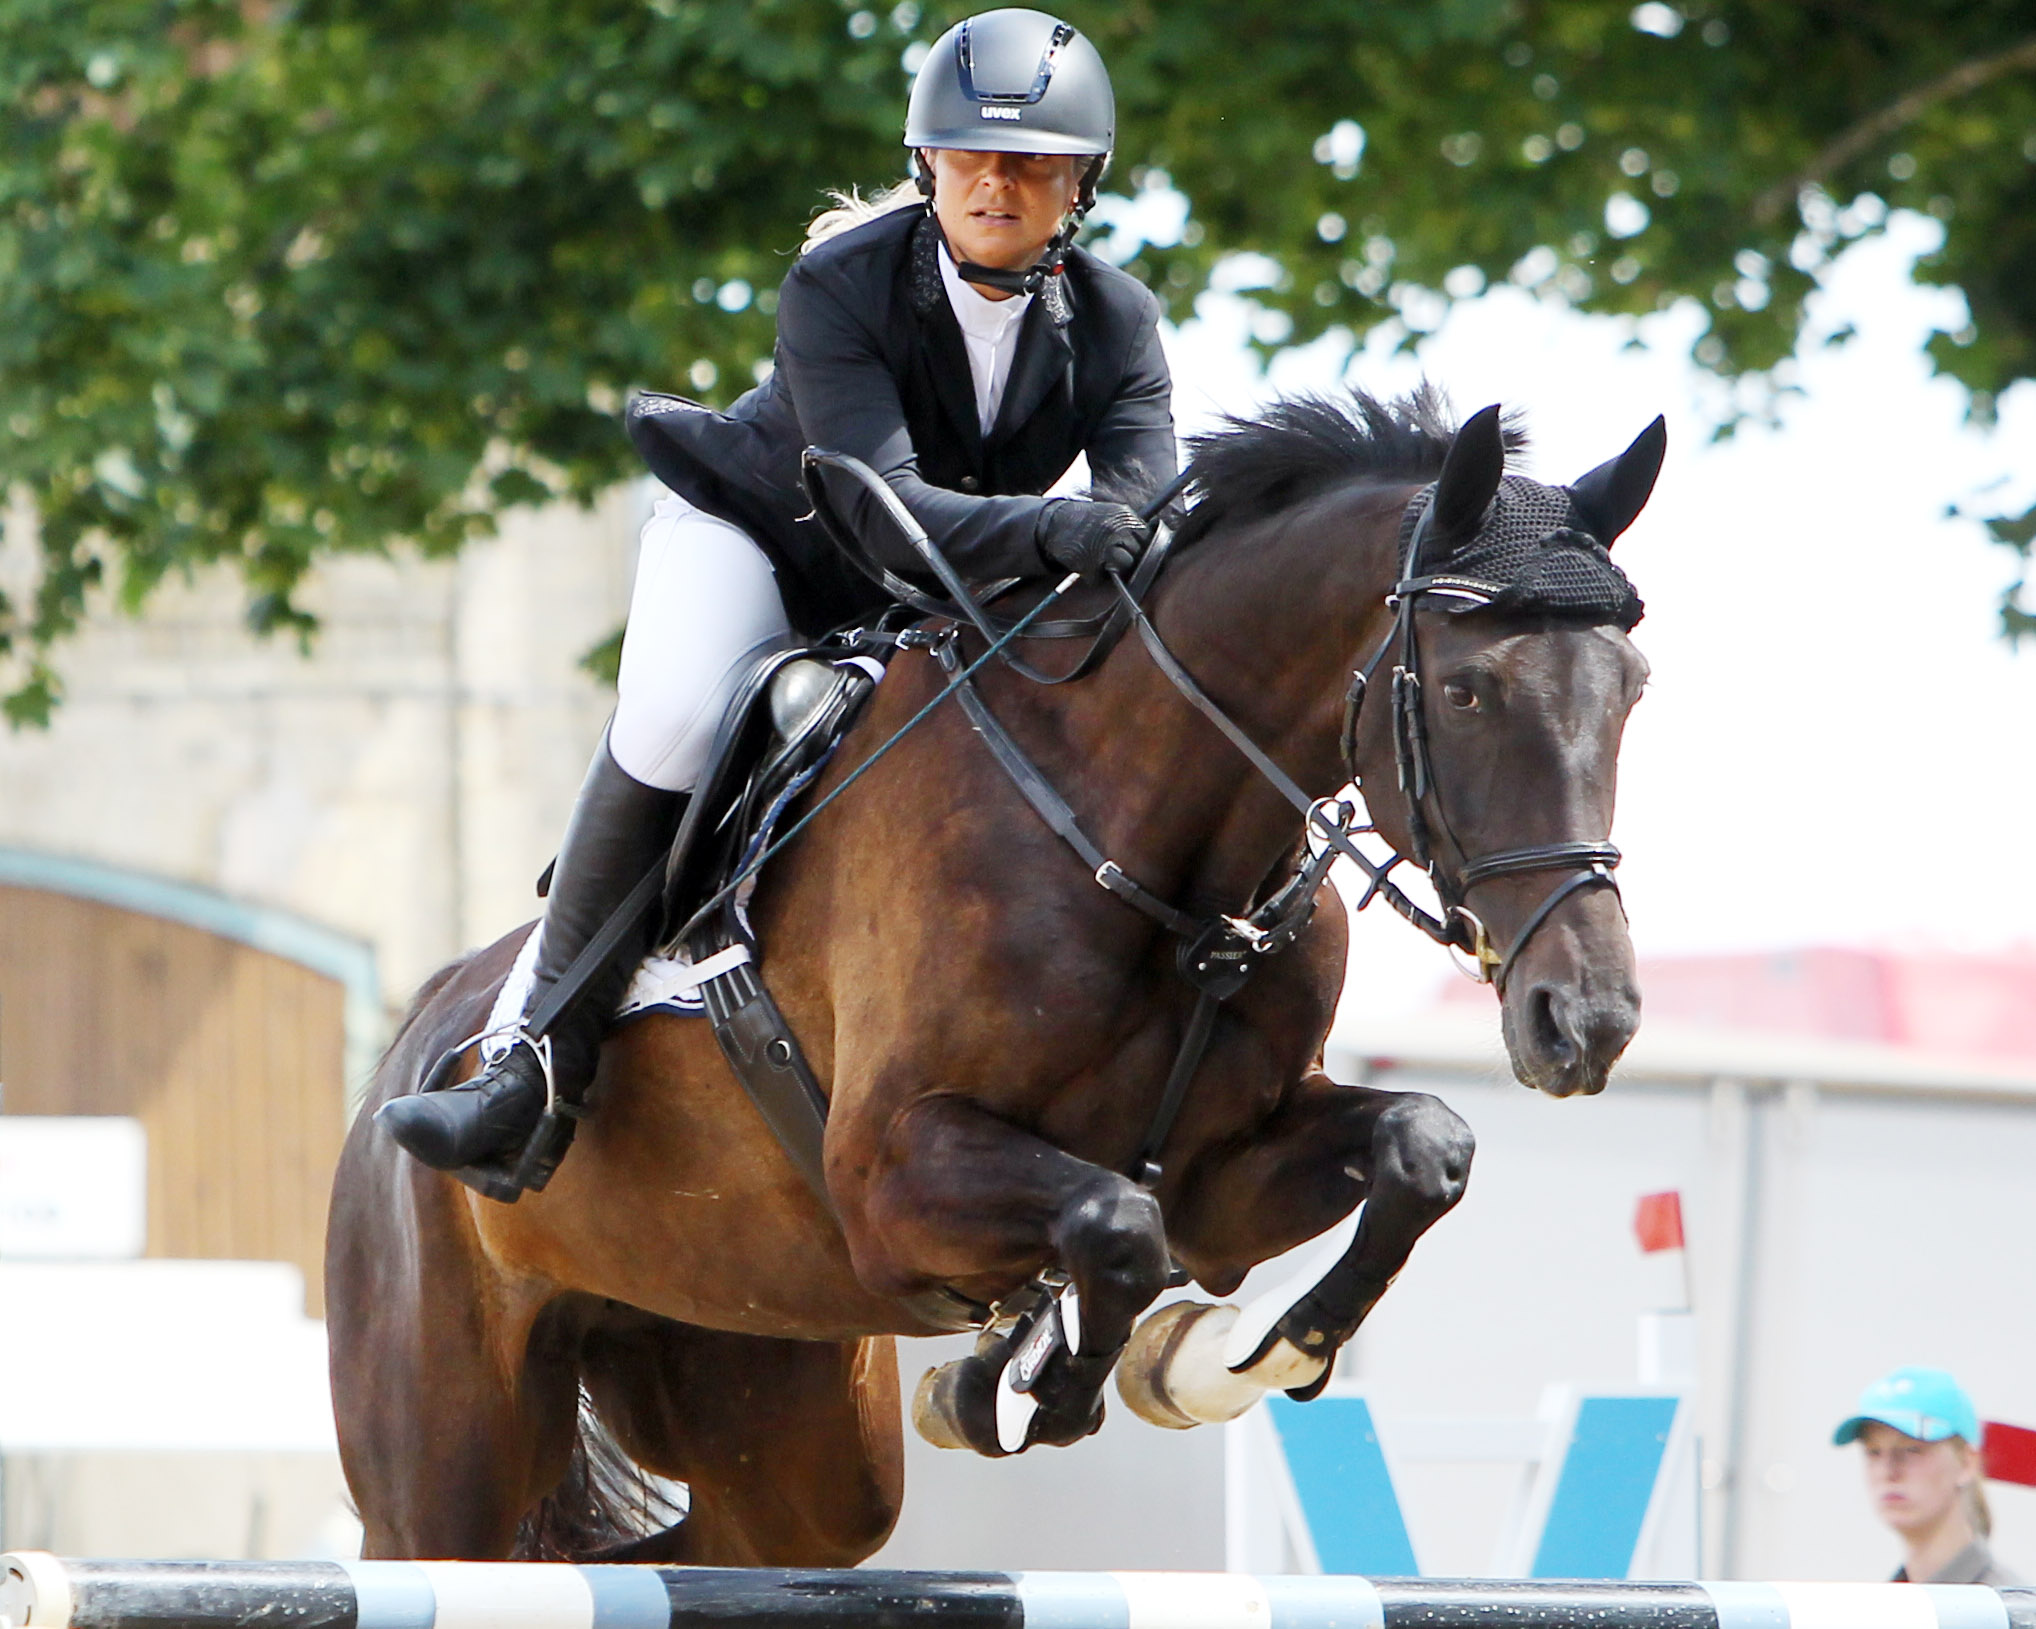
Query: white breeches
[[705, 598]]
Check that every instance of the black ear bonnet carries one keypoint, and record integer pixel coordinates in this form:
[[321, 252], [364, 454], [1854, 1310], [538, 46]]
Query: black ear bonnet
[[1531, 555]]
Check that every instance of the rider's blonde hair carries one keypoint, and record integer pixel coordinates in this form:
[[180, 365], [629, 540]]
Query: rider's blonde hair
[[850, 209]]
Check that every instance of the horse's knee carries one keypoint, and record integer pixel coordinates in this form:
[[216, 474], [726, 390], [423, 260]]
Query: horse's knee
[[1423, 1147], [1113, 1242]]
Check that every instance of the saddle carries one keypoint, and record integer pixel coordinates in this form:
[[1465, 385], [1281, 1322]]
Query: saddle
[[789, 715], [789, 712]]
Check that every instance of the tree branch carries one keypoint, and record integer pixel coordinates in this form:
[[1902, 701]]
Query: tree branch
[[1877, 127]]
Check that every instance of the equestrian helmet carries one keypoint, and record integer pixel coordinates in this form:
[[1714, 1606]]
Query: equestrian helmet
[[1013, 81]]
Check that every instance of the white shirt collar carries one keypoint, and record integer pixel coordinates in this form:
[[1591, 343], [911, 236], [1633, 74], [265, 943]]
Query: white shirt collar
[[980, 316]]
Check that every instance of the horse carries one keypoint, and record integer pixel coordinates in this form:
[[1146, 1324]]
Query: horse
[[994, 1031]]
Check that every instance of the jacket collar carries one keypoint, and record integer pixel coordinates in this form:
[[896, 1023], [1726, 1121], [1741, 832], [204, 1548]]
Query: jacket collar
[[929, 294], [947, 357]]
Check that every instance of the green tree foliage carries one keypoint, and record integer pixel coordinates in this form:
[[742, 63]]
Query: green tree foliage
[[277, 280]]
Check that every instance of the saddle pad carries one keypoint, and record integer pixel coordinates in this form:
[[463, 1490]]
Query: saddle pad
[[660, 984], [672, 983]]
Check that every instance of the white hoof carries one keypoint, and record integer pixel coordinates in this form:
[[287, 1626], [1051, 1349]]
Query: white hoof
[[1173, 1372]]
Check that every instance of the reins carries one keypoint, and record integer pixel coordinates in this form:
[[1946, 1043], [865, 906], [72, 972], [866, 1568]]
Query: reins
[[1103, 628]]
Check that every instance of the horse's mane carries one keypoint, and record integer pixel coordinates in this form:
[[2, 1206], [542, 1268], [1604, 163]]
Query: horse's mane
[[1305, 445]]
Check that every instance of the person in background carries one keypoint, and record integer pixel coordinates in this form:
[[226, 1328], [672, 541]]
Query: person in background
[[1921, 1437]]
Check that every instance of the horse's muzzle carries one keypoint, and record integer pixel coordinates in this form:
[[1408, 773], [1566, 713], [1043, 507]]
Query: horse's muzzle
[[1564, 1037]]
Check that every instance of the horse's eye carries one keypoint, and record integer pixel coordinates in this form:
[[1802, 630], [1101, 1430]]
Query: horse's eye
[[1459, 694]]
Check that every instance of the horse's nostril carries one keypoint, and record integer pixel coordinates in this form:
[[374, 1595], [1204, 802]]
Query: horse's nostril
[[1546, 1025]]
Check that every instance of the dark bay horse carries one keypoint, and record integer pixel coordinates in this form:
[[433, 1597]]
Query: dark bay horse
[[994, 1030]]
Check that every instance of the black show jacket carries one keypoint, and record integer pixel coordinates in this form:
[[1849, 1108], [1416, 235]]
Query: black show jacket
[[871, 361]]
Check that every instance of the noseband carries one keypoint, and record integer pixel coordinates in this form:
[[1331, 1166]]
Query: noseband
[[1460, 927]]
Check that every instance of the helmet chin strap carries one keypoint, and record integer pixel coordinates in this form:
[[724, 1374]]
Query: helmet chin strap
[[1033, 278]]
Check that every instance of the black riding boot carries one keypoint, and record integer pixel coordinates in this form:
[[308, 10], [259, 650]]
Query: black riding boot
[[619, 829]]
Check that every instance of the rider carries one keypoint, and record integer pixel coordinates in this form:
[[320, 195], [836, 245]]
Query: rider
[[949, 335]]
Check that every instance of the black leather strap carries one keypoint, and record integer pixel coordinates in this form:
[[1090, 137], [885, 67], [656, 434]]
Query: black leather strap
[[1145, 1167], [597, 952], [1596, 876], [1332, 834], [1055, 810], [767, 1059], [1549, 857]]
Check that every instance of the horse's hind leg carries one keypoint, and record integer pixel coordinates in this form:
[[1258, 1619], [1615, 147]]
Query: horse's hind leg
[[789, 1449], [454, 1394]]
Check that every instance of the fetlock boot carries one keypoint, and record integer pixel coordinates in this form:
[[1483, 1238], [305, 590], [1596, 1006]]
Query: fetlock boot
[[619, 829]]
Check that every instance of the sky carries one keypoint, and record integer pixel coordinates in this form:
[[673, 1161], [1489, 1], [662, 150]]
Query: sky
[[1834, 748]]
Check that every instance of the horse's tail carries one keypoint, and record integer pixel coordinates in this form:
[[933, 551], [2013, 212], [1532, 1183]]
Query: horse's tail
[[606, 1507]]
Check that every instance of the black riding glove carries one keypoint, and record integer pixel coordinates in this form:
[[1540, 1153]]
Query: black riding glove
[[1091, 538]]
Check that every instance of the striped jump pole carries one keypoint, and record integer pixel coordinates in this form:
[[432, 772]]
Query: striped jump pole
[[39, 1591]]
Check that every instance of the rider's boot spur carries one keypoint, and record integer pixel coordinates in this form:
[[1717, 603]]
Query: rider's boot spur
[[619, 829]]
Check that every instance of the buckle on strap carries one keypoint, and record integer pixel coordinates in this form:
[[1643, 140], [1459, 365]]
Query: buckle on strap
[[1485, 959]]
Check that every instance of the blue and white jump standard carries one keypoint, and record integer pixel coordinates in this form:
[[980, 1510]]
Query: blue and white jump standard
[[39, 1591]]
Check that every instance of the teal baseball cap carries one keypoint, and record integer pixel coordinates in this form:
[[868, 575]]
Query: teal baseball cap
[[1926, 1404]]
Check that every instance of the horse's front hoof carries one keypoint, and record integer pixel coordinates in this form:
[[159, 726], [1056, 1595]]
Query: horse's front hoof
[[1174, 1371]]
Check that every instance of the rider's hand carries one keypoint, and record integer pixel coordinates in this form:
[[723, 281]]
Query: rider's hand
[[1092, 538]]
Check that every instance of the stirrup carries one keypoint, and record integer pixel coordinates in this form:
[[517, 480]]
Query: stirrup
[[529, 1168]]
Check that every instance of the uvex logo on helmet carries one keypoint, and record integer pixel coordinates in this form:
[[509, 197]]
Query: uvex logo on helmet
[[990, 110]]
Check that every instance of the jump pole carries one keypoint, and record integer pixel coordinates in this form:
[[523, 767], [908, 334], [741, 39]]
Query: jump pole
[[40, 1591]]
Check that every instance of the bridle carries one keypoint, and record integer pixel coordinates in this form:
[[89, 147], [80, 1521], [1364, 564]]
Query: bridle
[[1459, 927]]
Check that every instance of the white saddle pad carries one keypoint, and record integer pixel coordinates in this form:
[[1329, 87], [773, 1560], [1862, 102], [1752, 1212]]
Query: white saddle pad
[[661, 984]]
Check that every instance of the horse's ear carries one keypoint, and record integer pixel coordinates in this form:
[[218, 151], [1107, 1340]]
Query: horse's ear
[[1470, 474], [1612, 494]]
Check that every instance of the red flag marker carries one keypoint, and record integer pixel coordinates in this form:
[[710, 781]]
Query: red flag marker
[[2009, 1452], [1658, 1222]]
